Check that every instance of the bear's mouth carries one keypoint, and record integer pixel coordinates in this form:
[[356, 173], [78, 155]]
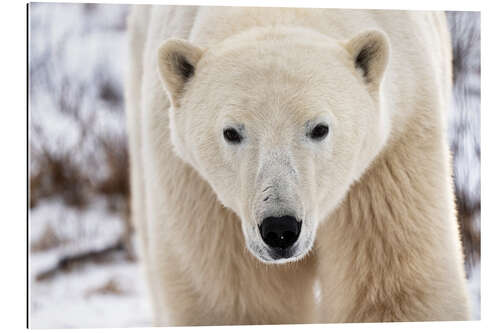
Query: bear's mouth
[[282, 256], [277, 254]]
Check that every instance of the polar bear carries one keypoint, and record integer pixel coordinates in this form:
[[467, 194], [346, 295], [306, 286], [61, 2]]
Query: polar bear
[[279, 151]]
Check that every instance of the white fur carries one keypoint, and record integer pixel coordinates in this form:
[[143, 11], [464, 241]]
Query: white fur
[[375, 195]]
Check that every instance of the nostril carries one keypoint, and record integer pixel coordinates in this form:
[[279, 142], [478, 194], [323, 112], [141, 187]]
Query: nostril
[[267, 188], [266, 198], [280, 232]]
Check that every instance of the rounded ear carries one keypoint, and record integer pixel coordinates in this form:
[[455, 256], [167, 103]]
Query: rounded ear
[[370, 54], [177, 60]]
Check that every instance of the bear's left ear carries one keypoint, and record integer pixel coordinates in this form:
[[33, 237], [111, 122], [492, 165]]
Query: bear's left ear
[[370, 55], [177, 60]]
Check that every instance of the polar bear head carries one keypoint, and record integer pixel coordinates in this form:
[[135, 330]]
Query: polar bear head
[[280, 122]]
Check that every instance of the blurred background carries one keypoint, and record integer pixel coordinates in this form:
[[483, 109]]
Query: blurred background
[[83, 266]]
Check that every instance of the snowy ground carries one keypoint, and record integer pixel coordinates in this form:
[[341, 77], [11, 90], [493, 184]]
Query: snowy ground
[[110, 295], [474, 285], [76, 53]]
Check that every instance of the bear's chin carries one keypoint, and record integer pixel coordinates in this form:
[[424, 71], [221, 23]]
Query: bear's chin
[[273, 257]]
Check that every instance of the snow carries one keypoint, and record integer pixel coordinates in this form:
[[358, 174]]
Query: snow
[[75, 50], [71, 300], [92, 228], [465, 117], [67, 300], [474, 285]]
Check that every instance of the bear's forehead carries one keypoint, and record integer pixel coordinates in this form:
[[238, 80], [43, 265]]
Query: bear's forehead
[[272, 59], [267, 78], [275, 54], [276, 106]]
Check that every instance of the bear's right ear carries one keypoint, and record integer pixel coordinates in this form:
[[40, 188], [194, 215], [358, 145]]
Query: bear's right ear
[[370, 55], [177, 60]]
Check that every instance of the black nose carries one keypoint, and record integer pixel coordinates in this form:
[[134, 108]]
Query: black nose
[[280, 232]]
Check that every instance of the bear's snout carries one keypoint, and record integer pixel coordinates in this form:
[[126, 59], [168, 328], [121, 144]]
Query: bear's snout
[[280, 233]]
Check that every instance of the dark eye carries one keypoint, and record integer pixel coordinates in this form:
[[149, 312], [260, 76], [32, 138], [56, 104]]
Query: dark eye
[[231, 135], [319, 132]]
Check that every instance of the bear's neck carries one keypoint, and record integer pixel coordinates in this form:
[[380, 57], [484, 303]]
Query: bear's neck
[[395, 234]]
